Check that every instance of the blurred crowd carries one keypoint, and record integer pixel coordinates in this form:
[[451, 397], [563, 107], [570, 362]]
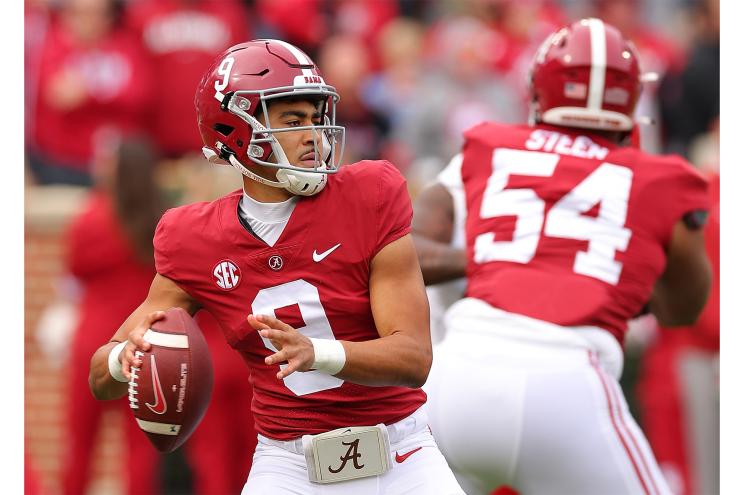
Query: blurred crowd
[[109, 87], [413, 74]]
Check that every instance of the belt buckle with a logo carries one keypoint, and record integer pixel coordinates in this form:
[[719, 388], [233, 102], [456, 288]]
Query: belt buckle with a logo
[[347, 453]]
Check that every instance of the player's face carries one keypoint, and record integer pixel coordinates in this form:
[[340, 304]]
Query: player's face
[[299, 146]]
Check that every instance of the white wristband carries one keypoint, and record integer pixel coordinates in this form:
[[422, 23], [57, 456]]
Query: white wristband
[[115, 368], [330, 356]]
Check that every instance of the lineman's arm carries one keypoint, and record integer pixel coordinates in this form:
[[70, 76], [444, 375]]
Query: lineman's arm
[[680, 294], [401, 356], [164, 294], [433, 219]]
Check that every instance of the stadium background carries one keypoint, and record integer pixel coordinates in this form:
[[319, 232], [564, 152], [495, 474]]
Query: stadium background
[[412, 74]]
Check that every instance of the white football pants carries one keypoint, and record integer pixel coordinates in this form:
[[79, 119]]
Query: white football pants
[[522, 402], [279, 468]]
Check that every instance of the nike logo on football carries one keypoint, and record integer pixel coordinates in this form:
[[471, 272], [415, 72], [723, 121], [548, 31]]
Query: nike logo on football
[[160, 406], [400, 458], [321, 256]]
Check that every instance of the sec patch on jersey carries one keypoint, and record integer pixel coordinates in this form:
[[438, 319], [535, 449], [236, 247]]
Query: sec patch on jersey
[[170, 392]]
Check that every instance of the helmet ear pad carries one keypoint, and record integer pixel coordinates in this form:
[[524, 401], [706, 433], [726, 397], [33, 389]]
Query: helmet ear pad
[[261, 151]]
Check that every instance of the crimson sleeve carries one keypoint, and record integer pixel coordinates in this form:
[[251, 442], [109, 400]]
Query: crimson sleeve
[[393, 207], [677, 190], [164, 242], [178, 247]]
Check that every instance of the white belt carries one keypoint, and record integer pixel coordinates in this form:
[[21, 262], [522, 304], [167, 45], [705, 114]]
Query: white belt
[[396, 431]]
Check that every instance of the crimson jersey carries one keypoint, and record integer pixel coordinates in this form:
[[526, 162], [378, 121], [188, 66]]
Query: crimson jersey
[[315, 278], [567, 227]]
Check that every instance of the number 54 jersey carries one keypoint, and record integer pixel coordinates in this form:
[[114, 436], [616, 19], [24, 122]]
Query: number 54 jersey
[[567, 227], [315, 278]]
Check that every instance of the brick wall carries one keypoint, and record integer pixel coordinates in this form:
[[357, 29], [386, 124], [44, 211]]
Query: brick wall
[[48, 210]]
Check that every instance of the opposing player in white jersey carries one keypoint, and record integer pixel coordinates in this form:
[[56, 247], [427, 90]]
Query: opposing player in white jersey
[[311, 272], [570, 232]]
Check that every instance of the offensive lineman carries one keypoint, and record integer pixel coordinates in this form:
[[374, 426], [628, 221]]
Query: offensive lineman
[[570, 232], [312, 274]]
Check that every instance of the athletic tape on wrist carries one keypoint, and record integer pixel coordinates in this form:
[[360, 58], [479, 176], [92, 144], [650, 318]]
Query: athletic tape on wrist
[[330, 356], [115, 368]]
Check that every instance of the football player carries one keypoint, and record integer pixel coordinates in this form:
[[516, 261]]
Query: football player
[[570, 231], [312, 273]]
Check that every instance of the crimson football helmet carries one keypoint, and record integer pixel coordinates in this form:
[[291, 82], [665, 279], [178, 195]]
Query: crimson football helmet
[[586, 75], [237, 88]]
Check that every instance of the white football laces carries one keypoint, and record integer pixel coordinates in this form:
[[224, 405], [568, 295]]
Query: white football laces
[[133, 401]]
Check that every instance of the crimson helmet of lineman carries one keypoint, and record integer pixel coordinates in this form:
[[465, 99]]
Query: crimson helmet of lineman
[[237, 89], [586, 75]]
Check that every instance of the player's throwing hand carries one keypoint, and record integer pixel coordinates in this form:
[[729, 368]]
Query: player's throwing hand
[[136, 341], [292, 347]]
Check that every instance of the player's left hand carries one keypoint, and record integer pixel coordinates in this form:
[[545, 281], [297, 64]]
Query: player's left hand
[[293, 348]]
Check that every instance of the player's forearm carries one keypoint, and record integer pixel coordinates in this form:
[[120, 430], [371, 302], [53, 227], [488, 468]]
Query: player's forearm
[[439, 262], [678, 299], [164, 294], [681, 292], [394, 360], [674, 308], [101, 383]]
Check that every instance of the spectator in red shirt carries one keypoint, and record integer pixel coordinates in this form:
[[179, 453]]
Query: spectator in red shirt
[[93, 81], [300, 22], [183, 37], [109, 251], [35, 27], [365, 21]]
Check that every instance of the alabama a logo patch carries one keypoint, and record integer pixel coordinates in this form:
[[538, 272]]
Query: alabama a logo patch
[[226, 275], [276, 262]]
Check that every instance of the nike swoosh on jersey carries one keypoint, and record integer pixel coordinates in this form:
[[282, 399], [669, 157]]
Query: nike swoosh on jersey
[[400, 458], [160, 405], [321, 256]]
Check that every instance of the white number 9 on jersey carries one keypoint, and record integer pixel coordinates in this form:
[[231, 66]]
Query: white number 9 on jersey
[[608, 185], [306, 296]]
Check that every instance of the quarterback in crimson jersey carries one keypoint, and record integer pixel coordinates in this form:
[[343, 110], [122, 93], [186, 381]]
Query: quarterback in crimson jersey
[[312, 274], [314, 277], [569, 232]]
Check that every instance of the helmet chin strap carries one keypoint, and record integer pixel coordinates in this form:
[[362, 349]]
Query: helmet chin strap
[[235, 163], [296, 182]]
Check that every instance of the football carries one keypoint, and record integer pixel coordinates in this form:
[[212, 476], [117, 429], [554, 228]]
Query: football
[[170, 392]]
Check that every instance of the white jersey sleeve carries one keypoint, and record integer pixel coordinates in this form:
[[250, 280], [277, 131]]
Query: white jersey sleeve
[[451, 178], [441, 296]]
